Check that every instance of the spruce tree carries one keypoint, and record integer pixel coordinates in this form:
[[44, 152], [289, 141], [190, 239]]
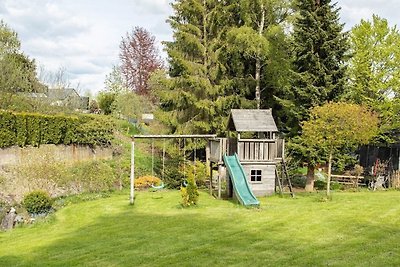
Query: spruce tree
[[320, 51], [193, 95], [319, 54]]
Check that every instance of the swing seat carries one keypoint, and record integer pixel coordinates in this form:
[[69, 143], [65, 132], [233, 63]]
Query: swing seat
[[161, 186]]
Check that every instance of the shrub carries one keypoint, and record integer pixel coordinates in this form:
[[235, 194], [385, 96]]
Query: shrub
[[299, 181], [320, 185], [173, 174], [37, 202], [92, 176], [336, 186], [144, 182], [190, 193], [34, 129]]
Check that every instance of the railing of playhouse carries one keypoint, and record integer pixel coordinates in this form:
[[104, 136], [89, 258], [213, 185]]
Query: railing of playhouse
[[248, 149], [259, 149]]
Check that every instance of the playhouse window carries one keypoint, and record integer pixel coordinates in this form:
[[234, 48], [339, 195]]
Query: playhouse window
[[255, 176]]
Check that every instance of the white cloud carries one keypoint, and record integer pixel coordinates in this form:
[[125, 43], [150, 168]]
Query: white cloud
[[81, 36], [352, 11], [84, 35]]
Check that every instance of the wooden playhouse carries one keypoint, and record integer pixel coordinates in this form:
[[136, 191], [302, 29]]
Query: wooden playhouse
[[257, 154]]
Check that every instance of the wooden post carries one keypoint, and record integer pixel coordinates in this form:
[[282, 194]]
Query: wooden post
[[132, 196], [211, 177], [208, 155], [237, 146], [219, 183]]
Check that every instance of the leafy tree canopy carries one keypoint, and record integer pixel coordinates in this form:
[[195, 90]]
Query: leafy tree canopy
[[335, 126], [374, 70]]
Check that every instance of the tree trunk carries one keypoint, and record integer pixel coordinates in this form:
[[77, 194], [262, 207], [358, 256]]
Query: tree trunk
[[328, 182], [258, 61], [310, 178]]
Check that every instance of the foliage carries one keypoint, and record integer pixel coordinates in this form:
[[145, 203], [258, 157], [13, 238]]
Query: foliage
[[144, 182], [335, 126], [91, 176], [190, 193], [320, 185], [9, 42], [358, 170], [33, 129], [257, 48], [193, 95], [173, 174], [114, 82], [224, 55], [37, 202], [41, 170], [320, 51], [139, 58], [94, 106], [130, 105], [18, 72], [374, 71], [106, 101], [298, 181]]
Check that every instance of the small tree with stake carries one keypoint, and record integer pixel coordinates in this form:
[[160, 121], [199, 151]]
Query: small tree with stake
[[334, 126]]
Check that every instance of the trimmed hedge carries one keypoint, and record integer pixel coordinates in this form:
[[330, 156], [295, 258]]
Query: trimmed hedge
[[23, 129]]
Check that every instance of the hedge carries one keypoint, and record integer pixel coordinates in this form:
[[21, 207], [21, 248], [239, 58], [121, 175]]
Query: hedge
[[23, 129]]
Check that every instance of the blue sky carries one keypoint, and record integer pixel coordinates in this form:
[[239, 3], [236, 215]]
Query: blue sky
[[83, 36]]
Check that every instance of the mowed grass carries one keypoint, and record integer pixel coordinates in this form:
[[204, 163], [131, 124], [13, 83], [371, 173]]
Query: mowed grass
[[354, 229]]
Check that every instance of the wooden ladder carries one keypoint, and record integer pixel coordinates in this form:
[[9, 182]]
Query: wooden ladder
[[283, 176]]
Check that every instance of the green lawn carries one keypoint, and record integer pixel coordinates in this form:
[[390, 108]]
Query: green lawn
[[354, 229]]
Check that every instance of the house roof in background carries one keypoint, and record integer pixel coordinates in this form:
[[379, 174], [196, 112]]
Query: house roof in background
[[62, 93]]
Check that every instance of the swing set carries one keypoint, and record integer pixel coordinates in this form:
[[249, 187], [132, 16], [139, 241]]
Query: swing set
[[164, 137]]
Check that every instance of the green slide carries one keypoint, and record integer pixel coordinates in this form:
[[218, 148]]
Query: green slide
[[240, 184]]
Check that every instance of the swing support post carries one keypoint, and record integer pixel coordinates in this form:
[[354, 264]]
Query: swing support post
[[162, 136], [132, 178]]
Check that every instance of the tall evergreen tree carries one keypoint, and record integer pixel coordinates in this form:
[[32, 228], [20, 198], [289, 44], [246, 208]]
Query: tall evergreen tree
[[320, 51], [220, 59], [195, 95]]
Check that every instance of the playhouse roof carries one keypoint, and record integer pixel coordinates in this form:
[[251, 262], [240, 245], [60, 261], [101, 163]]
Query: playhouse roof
[[251, 120]]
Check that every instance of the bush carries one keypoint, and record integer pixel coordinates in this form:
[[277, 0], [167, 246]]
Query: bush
[[336, 186], [37, 202], [144, 182], [190, 193], [320, 185], [299, 181], [92, 176], [173, 174], [34, 129]]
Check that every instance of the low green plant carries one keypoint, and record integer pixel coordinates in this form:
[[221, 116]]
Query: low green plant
[[298, 181], [320, 185], [147, 181], [37, 202], [92, 176], [336, 186], [190, 193]]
